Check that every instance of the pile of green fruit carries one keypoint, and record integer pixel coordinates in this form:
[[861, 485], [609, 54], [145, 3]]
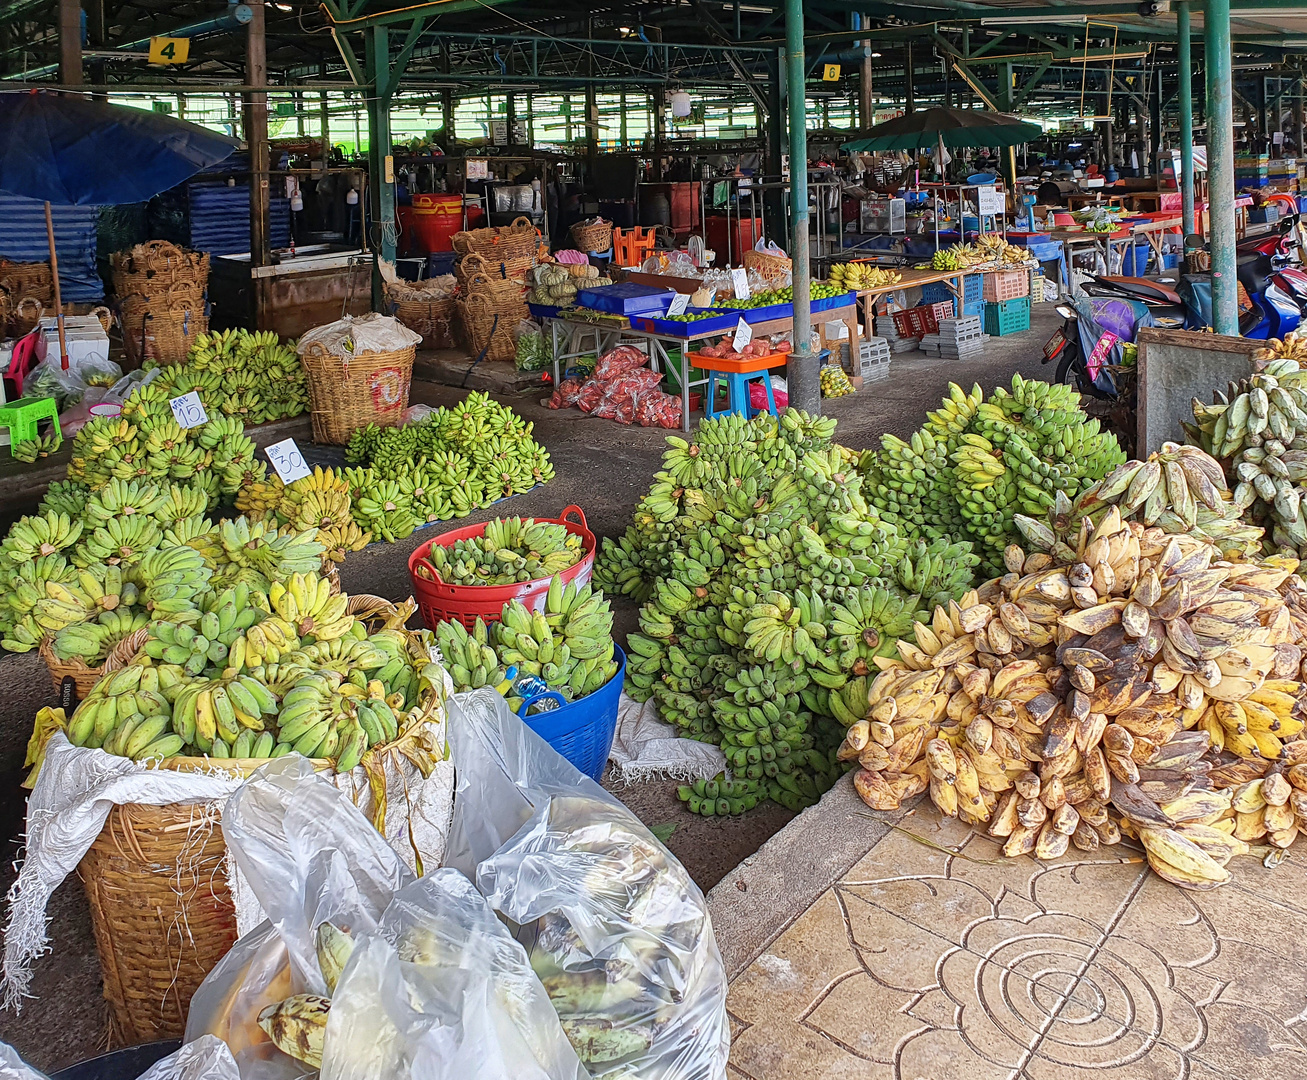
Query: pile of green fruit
[[29, 450], [88, 570], [510, 550], [1258, 431], [834, 382], [455, 461], [694, 316], [241, 673], [976, 464], [568, 643], [769, 586], [817, 290], [248, 375]]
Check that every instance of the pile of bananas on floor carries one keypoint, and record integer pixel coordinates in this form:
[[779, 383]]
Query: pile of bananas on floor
[[768, 585], [1118, 679], [249, 375], [242, 673], [455, 461]]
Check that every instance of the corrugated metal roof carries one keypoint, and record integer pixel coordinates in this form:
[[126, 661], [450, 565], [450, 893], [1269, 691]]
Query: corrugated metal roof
[[220, 218], [23, 239]]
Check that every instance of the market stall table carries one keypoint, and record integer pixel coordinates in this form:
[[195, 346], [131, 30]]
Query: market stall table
[[570, 338], [1149, 230], [908, 279]]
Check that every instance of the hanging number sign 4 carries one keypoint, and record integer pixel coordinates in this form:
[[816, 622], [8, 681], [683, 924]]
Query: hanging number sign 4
[[169, 50], [679, 303], [287, 461], [188, 410], [740, 282], [743, 334]]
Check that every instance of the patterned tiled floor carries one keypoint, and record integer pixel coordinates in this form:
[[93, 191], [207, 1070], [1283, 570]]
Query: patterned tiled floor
[[924, 965]]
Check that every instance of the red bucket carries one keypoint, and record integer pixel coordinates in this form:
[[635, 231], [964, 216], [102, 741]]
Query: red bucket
[[440, 602]]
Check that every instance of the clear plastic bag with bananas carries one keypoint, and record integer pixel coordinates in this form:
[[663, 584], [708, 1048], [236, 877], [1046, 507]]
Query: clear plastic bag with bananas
[[616, 929]]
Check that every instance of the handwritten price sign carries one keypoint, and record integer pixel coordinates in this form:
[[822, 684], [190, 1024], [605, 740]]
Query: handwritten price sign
[[188, 410], [679, 303], [740, 282], [287, 461], [743, 334]]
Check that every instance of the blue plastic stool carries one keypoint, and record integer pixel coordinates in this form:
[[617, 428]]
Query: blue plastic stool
[[737, 388]]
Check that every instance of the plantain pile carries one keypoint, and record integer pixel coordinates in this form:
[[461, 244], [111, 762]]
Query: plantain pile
[[568, 644], [1258, 430], [88, 569], [30, 450], [994, 247], [240, 673], [834, 382], [1082, 695], [455, 461], [246, 374], [510, 550], [858, 276], [976, 464], [318, 502], [768, 586]]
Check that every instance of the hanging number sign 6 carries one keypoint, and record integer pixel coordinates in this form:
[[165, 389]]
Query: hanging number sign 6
[[740, 282], [287, 461], [830, 73], [679, 303], [188, 410], [169, 50], [743, 334]]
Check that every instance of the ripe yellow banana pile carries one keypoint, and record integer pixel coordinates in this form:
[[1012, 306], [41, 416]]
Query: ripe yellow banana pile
[[252, 675], [1293, 346], [995, 247], [1079, 696], [854, 275], [320, 501]]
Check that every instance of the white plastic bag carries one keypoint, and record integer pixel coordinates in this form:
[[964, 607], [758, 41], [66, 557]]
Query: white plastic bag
[[207, 1058], [443, 992], [617, 930], [13, 1067]]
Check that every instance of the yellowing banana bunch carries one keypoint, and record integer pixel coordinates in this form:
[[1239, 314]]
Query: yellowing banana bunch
[[1293, 346], [857, 276]]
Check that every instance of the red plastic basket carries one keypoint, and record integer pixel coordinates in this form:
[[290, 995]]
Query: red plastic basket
[[917, 321], [440, 602]]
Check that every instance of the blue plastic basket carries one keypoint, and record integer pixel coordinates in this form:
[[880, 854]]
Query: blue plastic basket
[[582, 731]]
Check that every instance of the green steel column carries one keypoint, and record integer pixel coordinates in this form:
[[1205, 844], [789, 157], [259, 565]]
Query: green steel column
[[1220, 166], [801, 371], [1186, 99], [381, 168]]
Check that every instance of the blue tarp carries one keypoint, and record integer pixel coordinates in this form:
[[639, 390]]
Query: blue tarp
[[23, 239], [220, 218]]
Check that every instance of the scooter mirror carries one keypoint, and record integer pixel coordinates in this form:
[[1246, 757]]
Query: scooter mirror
[[1066, 311]]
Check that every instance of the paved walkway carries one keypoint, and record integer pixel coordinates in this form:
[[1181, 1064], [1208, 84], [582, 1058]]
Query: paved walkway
[[924, 964]]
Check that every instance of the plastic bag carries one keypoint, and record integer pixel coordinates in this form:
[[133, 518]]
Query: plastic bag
[[533, 352], [616, 928], [13, 1067], [443, 992], [619, 361], [207, 1058], [310, 856], [417, 414], [565, 394]]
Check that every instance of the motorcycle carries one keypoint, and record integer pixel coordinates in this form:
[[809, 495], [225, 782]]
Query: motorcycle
[[1277, 291]]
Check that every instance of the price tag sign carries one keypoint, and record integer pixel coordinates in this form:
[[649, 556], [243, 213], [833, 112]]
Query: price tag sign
[[743, 334], [679, 303], [188, 410], [740, 281], [477, 168], [287, 461], [989, 201]]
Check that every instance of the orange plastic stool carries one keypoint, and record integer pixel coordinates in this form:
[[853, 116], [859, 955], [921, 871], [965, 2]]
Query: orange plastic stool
[[632, 246]]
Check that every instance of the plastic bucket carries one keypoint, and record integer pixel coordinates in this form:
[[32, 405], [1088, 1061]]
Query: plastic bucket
[[436, 218], [582, 731], [126, 1064], [1134, 260], [440, 602]]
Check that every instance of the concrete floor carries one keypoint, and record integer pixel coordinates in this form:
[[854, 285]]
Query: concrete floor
[[602, 467]]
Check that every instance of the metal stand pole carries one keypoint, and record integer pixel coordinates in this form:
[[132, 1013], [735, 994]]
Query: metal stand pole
[[801, 371], [1220, 166], [1186, 115]]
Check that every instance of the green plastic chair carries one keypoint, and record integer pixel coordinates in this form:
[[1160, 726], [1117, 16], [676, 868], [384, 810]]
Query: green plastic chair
[[22, 416]]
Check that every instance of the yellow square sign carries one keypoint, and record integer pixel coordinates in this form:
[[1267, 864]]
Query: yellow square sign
[[831, 73], [169, 50]]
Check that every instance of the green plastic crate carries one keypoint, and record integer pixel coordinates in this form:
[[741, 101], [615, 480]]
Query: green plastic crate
[[1007, 316]]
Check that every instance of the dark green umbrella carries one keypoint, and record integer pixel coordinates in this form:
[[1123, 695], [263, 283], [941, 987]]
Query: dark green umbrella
[[951, 127]]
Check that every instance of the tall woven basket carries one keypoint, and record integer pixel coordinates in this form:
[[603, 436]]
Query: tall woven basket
[[433, 319], [369, 388], [161, 911], [165, 336], [488, 328]]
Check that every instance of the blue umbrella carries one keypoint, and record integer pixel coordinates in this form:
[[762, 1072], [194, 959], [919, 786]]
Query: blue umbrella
[[71, 150]]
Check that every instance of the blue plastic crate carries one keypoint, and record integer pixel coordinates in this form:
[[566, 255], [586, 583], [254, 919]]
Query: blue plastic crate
[[973, 289], [627, 298], [543, 311], [709, 324], [1045, 252], [1007, 316], [826, 304], [582, 730], [973, 307]]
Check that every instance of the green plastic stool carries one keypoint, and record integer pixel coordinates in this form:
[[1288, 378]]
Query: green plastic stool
[[22, 416]]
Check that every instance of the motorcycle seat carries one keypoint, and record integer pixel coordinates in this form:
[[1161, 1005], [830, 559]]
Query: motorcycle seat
[[1143, 288]]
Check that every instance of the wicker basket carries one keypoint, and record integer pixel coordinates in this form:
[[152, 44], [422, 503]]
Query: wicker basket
[[86, 677], [155, 264], [370, 388], [104, 315], [487, 328], [516, 268], [165, 336], [506, 294], [162, 296], [776, 270], [594, 236], [514, 241], [27, 313], [28, 279], [433, 319]]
